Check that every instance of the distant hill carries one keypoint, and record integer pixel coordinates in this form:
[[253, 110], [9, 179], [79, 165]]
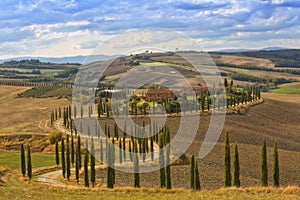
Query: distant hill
[[71, 59], [289, 58], [251, 50]]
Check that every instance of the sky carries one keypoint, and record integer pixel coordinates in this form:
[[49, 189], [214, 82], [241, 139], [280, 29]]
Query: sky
[[57, 28]]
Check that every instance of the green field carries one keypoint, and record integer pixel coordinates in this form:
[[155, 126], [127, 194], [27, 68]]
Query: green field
[[48, 72], [47, 91], [11, 160], [152, 64], [289, 88]]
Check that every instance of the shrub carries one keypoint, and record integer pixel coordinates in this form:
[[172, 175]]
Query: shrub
[[54, 137]]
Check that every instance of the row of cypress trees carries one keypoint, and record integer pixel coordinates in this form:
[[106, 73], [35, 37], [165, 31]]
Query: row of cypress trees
[[264, 165]]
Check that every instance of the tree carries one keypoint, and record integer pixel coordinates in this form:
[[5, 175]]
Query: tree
[[236, 181], [101, 151], [79, 152], [227, 162], [63, 161], [72, 150], [168, 164], [86, 172], [225, 83], [68, 158], [162, 162], [29, 166], [77, 166], [192, 172], [196, 177], [120, 151], [110, 162], [93, 173], [264, 166], [23, 164], [99, 109], [152, 148], [275, 167], [56, 153], [136, 167]]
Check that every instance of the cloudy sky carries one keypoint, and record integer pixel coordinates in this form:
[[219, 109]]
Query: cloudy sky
[[56, 28]]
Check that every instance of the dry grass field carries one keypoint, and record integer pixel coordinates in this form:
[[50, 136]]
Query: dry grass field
[[243, 60], [260, 73], [25, 119], [25, 115]]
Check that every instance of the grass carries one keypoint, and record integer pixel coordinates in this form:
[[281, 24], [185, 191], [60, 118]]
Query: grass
[[152, 64], [48, 72], [47, 91], [32, 116], [289, 88], [40, 192], [11, 160], [260, 73]]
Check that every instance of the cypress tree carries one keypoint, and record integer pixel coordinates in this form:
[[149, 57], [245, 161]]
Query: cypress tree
[[136, 167], [79, 152], [264, 165], [93, 173], [107, 111], [225, 83], [130, 152], [192, 172], [110, 170], [113, 162], [63, 161], [75, 111], [29, 166], [77, 166], [275, 167], [23, 164], [168, 164], [72, 150], [196, 177], [99, 110], [101, 151], [152, 148], [162, 162], [86, 172], [124, 148], [68, 159], [116, 131], [56, 153], [227, 162], [120, 151], [59, 112], [237, 182]]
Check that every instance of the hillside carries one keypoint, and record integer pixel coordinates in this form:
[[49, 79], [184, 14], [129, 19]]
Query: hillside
[[281, 58]]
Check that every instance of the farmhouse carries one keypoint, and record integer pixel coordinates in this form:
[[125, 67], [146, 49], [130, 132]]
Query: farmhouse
[[153, 95]]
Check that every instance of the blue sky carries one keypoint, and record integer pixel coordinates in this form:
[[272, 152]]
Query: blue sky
[[56, 28]]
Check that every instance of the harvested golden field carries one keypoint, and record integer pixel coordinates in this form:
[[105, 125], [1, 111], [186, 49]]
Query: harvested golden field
[[25, 115], [260, 73], [246, 61]]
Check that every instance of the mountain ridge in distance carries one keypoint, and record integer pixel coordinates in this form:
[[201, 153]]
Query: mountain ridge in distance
[[68, 59], [248, 50]]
